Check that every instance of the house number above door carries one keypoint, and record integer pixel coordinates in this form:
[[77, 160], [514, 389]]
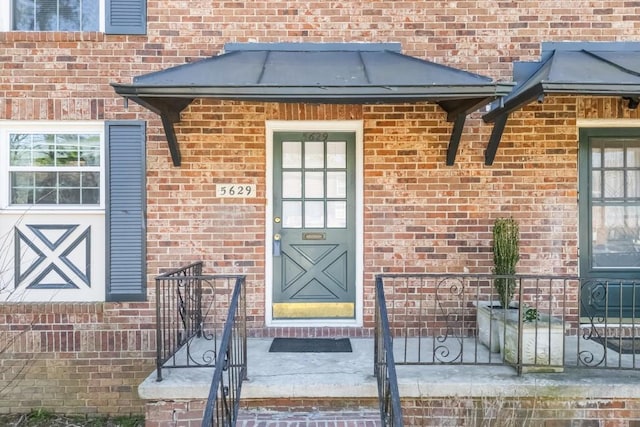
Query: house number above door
[[235, 190]]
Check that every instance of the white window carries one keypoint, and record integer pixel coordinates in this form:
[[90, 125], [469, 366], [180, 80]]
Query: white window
[[52, 211], [52, 15], [53, 165]]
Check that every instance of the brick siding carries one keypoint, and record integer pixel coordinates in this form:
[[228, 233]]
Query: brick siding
[[425, 412], [419, 214]]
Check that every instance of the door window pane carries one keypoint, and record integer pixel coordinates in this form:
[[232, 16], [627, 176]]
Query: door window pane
[[292, 185], [613, 157], [616, 236], [596, 185], [336, 184], [633, 184], [336, 154], [292, 214], [633, 157], [314, 154], [313, 184], [337, 214], [291, 154], [613, 183], [313, 214]]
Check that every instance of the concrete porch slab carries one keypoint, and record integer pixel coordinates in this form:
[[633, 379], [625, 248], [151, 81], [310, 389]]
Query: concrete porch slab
[[350, 375]]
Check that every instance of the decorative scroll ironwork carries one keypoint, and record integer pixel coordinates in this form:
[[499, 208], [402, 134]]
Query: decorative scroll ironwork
[[190, 310], [578, 322], [448, 345]]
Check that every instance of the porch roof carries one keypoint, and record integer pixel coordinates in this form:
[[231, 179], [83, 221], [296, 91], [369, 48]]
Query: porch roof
[[600, 69], [353, 73]]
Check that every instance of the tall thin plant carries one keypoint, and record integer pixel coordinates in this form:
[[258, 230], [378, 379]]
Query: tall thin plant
[[506, 254]]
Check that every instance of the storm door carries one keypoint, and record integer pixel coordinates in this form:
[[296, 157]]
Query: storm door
[[610, 223], [313, 242]]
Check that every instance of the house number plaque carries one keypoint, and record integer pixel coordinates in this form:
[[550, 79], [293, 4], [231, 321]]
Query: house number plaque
[[235, 190]]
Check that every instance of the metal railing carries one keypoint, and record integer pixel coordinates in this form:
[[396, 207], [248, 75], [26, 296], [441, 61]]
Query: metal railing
[[231, 365], [191, 310], [554, 322], [384, 364]]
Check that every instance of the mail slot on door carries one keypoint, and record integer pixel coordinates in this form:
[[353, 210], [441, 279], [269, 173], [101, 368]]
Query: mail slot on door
[[314, 236]]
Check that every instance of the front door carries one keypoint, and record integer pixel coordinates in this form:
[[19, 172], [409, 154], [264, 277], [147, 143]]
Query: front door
[[610, 223], [313, 242]]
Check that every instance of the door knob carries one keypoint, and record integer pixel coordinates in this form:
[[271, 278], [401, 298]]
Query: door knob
[[276, 220]]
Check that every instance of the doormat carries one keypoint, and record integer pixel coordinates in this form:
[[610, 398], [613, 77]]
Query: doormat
[[621, 345], [310, 345]]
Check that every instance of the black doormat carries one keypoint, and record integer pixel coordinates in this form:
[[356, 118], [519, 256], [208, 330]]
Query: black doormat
[[621, 345], [310, 345]]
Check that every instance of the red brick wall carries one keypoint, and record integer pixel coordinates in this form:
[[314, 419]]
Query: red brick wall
[[439, 411], [79, 358], [419, 214]]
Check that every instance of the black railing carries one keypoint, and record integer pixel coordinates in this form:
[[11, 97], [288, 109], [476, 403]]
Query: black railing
[[553, 322], [384, 364], [191, 309], [231, 365]]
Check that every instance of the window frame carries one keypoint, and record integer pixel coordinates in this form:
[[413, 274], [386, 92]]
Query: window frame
[[6, 18], [46, 127], [586, 204]]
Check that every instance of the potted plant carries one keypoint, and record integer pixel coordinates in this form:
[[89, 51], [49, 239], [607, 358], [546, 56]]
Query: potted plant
[[506, 254]]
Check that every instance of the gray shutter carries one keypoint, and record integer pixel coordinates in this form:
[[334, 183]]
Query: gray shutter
[[125, 218], [126, 17]]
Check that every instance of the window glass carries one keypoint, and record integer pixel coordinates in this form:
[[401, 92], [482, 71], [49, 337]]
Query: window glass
[[313, 214], [56, 15], [54, 169], [615, 203], [314, 154]]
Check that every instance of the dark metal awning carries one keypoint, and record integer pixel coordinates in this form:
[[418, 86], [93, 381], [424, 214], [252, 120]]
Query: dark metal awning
[[600, 69], [353, 73]]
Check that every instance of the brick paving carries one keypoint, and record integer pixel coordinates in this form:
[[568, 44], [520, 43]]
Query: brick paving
[[344, 418]]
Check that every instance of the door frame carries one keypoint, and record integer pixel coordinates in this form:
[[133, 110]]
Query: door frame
[[357, 127]]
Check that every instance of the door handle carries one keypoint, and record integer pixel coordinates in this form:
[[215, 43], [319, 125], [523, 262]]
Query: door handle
[[276, 244]]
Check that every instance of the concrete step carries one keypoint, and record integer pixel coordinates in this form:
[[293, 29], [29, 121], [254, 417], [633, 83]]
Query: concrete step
[[339, 418]]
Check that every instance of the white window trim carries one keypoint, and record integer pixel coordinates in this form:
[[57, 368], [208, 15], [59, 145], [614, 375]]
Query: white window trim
[[15, 126], [6, 13]]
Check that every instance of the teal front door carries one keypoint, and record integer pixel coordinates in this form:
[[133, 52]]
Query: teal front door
[[313, 242], [610, 223]]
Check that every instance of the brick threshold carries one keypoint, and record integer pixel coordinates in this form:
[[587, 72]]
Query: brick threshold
[[346, 418]]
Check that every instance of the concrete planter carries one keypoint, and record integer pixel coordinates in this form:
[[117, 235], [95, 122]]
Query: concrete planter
[[542, 343], [488, 328]]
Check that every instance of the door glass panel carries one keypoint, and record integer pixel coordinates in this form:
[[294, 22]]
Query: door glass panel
[[614, 157], [337, 214], [314, 154], [596, 158], [633, 184], [291, 154], [616, 236], [337, 184], [613, 184], [596, 186], [336, 154], [633, 157], [313, 214], [292, 214], [291, 185], [313, 184]]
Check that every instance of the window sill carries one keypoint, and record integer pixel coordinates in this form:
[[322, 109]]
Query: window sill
[[51, 36]]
